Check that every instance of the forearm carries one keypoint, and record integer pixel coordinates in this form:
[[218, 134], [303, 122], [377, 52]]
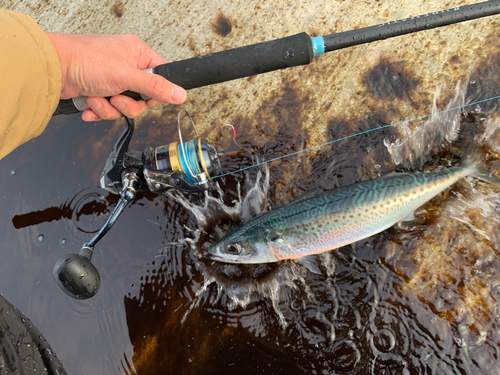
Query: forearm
[[64, 49], [31, 80]]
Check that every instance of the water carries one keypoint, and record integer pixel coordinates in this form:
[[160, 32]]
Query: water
[[418, 298]]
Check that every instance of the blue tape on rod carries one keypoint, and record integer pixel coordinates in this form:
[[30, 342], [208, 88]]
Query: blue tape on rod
[[318, 45]]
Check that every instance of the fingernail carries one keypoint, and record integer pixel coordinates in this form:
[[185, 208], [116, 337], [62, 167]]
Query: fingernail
[[94, 104], [178, 95], [92, 118]]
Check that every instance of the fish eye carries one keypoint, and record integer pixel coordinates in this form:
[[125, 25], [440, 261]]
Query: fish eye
[[234, 249]]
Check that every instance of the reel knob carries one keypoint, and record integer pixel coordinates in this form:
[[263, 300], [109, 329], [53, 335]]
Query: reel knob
[[76, 275]]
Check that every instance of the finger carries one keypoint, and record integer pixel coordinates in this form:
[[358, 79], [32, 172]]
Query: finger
[[103, 108], [153, 103], [128, 106], [90, 116], [156, 87], [149, 58]]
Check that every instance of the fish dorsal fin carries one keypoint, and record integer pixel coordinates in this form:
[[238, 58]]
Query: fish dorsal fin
[[306, 195], [311, 263], [392, 174]]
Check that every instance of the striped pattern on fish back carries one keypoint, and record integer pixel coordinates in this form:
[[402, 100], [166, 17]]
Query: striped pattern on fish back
[[341, 216]]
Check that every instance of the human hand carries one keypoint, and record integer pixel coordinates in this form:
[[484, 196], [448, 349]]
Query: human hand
[[99, 66]]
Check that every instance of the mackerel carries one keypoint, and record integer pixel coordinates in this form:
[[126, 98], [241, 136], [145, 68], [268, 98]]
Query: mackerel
[[337, 217]]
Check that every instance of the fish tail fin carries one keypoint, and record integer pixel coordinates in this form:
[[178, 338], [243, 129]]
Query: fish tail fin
[[475, 169]]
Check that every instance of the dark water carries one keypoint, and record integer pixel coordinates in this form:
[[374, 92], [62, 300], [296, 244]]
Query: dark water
[[417, 299]]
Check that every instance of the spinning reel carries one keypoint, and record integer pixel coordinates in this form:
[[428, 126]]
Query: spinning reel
[[183, 166]]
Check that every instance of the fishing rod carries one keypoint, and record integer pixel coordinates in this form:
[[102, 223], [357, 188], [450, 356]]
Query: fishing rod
[[295, 50]]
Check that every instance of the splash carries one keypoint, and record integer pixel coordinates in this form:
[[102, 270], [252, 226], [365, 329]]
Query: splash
[[438, 131], [487, 205], [278, 286], [253, 202], [490, 138], [459, 249]]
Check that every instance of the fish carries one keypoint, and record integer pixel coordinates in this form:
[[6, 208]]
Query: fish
[[338, 217]]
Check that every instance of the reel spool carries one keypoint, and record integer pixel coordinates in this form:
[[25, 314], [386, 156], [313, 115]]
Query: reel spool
[[197, 159]]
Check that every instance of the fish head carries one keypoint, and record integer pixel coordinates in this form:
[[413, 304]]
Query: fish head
[[244, 247]]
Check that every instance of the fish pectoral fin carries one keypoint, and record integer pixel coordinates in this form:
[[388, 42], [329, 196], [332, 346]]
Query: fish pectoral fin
[[409, 217], [311, 263]]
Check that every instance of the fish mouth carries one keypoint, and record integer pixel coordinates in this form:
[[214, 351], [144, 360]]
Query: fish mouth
[[213, 254], [219, 258], [241, 259]]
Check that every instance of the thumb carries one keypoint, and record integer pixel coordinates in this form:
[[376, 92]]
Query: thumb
[[156, 87]]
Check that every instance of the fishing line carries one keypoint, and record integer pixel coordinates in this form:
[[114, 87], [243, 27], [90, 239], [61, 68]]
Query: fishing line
[[355, 135]]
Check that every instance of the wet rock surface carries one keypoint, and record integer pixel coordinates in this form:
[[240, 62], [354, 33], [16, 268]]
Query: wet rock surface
[[420, 298]]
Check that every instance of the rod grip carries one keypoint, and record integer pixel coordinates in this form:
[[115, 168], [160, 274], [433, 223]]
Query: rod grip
[[239, 62], [226, 65]]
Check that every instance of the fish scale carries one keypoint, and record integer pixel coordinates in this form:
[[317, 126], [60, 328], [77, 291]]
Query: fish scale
[[348, 214], [335, 217]]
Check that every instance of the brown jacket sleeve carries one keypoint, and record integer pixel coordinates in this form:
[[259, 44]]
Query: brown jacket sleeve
[[30, 80]]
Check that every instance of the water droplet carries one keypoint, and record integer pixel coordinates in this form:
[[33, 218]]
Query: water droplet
[[459, 341], [12, 172], [346, 356], [384, 340], [40, 237], [295, 305], [63, 241]]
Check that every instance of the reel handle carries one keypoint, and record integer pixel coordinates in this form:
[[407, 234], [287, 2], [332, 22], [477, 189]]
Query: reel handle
[[75, 274]]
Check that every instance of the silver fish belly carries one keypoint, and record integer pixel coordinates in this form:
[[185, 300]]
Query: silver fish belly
[[332, 219]]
